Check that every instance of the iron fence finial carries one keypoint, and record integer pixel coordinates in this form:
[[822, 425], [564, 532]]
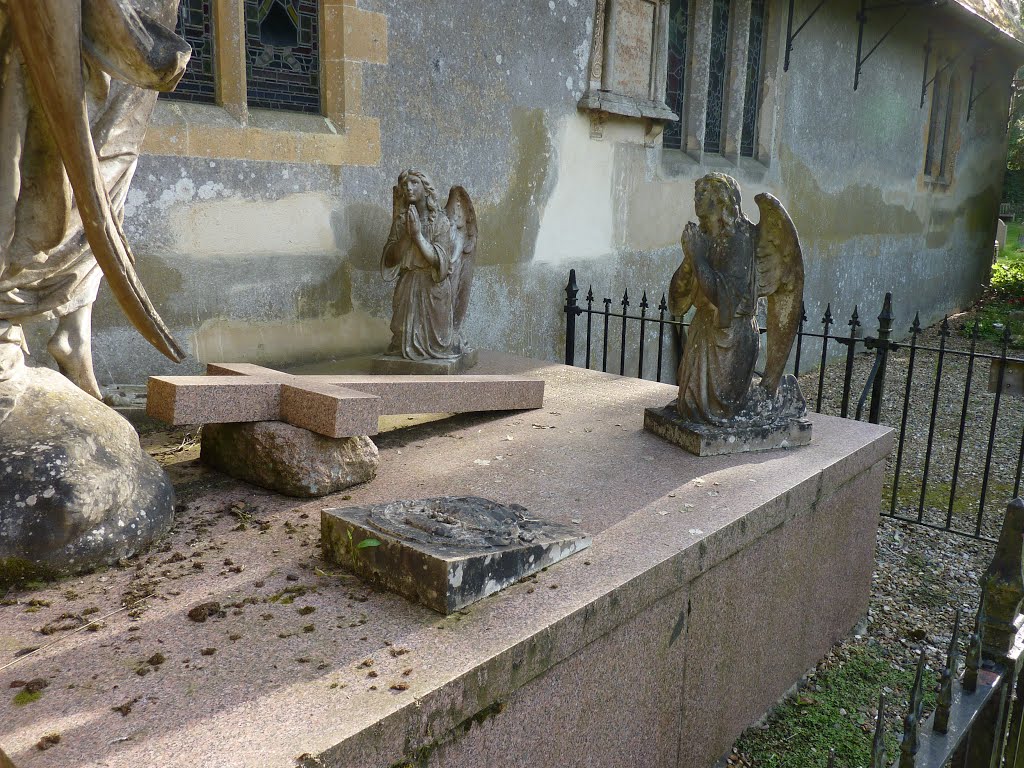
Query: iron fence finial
[[912, 722], [945, 699], [878, 759]]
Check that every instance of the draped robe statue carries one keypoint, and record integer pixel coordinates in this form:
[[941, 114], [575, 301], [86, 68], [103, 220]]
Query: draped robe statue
[[429, 256], [77, 82], [728, 264]]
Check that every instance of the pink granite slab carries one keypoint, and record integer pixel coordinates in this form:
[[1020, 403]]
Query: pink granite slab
[[206, 399], [328, 410], [271, 691]]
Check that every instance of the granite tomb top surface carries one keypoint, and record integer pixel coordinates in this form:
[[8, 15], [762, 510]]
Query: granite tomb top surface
[[236, 621]]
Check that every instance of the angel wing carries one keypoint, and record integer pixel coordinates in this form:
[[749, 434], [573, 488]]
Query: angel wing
[[780, 274], [462, 216], [50, 34]]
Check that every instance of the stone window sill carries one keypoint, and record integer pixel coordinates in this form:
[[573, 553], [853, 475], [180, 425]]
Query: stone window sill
[[184, 129], [627, 106], [938, 183], [679, 162]]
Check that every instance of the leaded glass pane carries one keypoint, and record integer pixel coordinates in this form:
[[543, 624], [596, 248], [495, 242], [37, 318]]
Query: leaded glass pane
[[675, 82], [196, 26], [716, 76], [282, 54], [755, 49]]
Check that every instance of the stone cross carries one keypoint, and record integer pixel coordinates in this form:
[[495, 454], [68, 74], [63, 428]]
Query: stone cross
[[335, 406]]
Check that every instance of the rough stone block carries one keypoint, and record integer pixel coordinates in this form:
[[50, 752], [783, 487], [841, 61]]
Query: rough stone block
[[705, 440], [393, 365], [445, 552], [76, 489], [287, 459]]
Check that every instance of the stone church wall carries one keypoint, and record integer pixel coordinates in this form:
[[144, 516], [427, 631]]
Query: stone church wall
[[262, 242]]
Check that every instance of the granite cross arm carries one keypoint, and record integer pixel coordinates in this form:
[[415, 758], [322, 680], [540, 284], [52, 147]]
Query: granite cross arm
[[335, 406]]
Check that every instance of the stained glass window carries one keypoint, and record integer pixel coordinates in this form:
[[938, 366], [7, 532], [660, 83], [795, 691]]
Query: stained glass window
[[282, 50], [716, 76], [755, 51], [195, 24], [675, 81]]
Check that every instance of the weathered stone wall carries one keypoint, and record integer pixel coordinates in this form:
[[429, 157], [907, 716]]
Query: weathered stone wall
[[278, 262]]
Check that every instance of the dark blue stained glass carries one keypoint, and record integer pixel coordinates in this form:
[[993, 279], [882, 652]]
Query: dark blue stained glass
[[282, 50], [195, 24], [675, 81], [755, 54], [716, 76]]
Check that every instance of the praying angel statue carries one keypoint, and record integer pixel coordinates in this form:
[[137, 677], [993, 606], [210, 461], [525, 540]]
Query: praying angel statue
[[728, 265]]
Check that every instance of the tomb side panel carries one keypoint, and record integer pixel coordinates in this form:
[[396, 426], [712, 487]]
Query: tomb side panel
[[762, 618], [614, 704]]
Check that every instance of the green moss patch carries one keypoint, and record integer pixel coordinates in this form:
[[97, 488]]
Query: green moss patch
[[18, 572]]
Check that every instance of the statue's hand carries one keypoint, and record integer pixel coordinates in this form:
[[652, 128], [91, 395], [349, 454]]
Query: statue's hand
[[695, 244], [412, 222]]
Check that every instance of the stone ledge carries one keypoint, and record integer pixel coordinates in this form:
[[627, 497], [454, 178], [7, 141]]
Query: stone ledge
[[181, 129]]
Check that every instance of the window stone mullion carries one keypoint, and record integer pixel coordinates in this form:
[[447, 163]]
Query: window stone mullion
[[697, 73], [229, 50], [735, 89]]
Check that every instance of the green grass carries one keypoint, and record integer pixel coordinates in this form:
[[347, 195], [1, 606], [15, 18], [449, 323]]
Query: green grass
[[1003, 304], [804, 728]]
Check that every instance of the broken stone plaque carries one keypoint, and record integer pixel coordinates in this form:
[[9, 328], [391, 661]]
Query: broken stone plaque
[[1013, 377], [445, 552]]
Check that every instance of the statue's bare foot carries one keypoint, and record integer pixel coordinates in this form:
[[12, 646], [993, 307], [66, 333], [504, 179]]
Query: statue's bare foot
[[71, 348]]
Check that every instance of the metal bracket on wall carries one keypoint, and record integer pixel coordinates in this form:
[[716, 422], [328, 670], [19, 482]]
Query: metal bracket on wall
[[791, 33], [973, 97], [925, 82], [862, 19]]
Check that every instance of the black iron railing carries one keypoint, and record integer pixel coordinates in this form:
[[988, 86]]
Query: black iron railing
[[937, 478], [978, 717]]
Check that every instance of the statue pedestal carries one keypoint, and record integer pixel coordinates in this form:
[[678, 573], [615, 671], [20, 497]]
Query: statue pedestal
[[395, 365], [707, 440]]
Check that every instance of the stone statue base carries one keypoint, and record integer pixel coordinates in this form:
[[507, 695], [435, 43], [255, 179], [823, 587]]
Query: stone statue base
[[394, 365], [287, 459], [445, 552], [710, 440], [76, 489]]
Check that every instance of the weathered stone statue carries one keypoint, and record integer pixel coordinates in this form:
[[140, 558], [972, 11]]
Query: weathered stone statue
[[728, 265], [430, 253], [76, 93], [70, 137]]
